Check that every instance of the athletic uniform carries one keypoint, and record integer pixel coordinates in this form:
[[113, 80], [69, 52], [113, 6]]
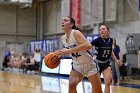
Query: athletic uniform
[[82, 61], [104, 50]]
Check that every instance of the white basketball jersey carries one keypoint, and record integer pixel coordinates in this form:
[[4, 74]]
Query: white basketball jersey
[[79, 58]]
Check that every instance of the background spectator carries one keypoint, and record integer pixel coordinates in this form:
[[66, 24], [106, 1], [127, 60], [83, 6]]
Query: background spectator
[[38, 58], [7, 56], [115, 66]]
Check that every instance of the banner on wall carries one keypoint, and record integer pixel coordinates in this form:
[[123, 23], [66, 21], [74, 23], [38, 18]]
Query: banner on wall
[[111, 10], [65, 8], [45, 45], [75, 11], [32, 46], [56, 44], [51, 45], [38, 45]]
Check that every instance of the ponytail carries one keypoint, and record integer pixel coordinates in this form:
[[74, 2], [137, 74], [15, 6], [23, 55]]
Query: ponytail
[[73, 22], [76, 28]]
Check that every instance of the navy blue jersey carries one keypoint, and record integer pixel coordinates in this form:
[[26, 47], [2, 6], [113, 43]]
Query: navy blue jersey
[[103, 48]]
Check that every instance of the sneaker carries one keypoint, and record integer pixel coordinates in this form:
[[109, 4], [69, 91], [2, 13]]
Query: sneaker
[[113, 82], [118, 83]]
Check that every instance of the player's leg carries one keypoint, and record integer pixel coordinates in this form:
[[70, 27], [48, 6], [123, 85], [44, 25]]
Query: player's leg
[[107, 79], [96, 83], [74, 78]]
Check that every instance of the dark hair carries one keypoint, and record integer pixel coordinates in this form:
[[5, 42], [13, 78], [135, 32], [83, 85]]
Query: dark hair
[[106, 27], [37, 50], [74, 26]]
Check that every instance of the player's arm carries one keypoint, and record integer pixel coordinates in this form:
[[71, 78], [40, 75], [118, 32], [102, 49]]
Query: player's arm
[[83, 43], [116, 60]]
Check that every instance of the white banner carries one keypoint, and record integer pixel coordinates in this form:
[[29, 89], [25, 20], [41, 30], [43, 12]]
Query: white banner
[[65, 8], [111, 10]]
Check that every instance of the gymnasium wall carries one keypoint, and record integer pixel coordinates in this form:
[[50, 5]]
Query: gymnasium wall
[[52, 17], [17, 24]]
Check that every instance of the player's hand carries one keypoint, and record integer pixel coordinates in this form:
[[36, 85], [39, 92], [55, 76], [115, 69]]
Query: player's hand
[[65, 52], [59, 52]]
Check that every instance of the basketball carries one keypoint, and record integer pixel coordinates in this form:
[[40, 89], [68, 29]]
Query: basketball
[[52, 60]]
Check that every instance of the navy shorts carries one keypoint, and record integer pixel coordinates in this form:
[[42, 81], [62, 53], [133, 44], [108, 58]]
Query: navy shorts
[[104, 66]]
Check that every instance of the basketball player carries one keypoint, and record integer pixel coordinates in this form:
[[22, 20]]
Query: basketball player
[[76, 45], [139, 59], [103, 46]]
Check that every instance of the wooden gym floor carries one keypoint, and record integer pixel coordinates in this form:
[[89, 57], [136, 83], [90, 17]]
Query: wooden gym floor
[[17, 82]]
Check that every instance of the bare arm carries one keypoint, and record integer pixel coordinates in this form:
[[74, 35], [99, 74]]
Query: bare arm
[[83, 43], [116, 60]]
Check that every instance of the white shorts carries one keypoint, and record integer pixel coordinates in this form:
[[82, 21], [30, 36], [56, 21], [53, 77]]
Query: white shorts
[[86, 69]]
